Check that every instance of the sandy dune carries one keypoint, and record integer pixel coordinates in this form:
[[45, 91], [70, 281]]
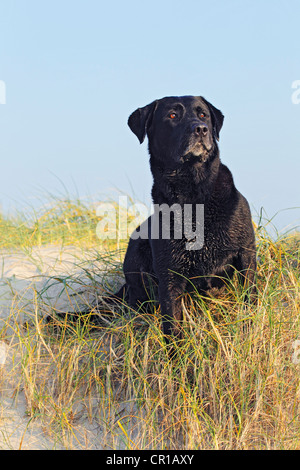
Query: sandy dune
[[23, 277]]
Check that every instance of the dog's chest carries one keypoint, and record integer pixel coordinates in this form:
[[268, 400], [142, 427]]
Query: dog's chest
[[208, 259], [213, 255]]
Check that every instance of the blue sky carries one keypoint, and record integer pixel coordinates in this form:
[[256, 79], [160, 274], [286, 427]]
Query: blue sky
[[74, 71]]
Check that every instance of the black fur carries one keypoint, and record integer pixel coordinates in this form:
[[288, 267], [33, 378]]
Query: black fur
[[186, 168]]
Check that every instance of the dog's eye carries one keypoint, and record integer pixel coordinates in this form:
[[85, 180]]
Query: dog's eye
[[172, 115]]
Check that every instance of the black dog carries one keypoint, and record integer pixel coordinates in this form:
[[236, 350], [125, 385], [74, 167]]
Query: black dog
[[187, 173]]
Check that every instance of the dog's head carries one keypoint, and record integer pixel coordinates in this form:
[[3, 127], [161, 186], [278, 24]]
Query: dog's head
[[179, 129]]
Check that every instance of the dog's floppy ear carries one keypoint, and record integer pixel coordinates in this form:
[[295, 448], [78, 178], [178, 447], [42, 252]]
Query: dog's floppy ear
[[217, 117], [140, 120]]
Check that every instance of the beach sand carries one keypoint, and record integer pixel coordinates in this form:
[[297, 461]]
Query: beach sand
[[24, 277]]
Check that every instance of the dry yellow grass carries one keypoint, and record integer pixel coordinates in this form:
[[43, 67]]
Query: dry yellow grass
[[234, 383]]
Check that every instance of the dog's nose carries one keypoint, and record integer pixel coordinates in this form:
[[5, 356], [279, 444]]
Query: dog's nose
[[200, 129]]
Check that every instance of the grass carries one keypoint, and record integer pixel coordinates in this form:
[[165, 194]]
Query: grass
[[233, 385]]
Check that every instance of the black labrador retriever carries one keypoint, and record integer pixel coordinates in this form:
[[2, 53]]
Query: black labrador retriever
[[201, 228]]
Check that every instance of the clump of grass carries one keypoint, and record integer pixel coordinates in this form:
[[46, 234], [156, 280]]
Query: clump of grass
[[233, 384], [60, 221]]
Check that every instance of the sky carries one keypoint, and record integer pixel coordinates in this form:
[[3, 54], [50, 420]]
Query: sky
[[72, 71]]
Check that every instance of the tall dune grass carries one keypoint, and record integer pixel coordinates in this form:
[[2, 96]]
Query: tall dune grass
[[234, 383]]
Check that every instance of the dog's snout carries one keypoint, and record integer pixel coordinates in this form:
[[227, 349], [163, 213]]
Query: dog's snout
[[200, 129]]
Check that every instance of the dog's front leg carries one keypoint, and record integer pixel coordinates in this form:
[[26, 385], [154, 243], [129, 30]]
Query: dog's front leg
[[170, 293], [170, 272], [246, 265]]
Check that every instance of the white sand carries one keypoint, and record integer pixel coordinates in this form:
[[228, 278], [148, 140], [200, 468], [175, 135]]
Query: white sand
[[22, 276]]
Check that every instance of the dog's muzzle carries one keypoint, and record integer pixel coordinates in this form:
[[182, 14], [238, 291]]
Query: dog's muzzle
[[200, 142], [200, 129]]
